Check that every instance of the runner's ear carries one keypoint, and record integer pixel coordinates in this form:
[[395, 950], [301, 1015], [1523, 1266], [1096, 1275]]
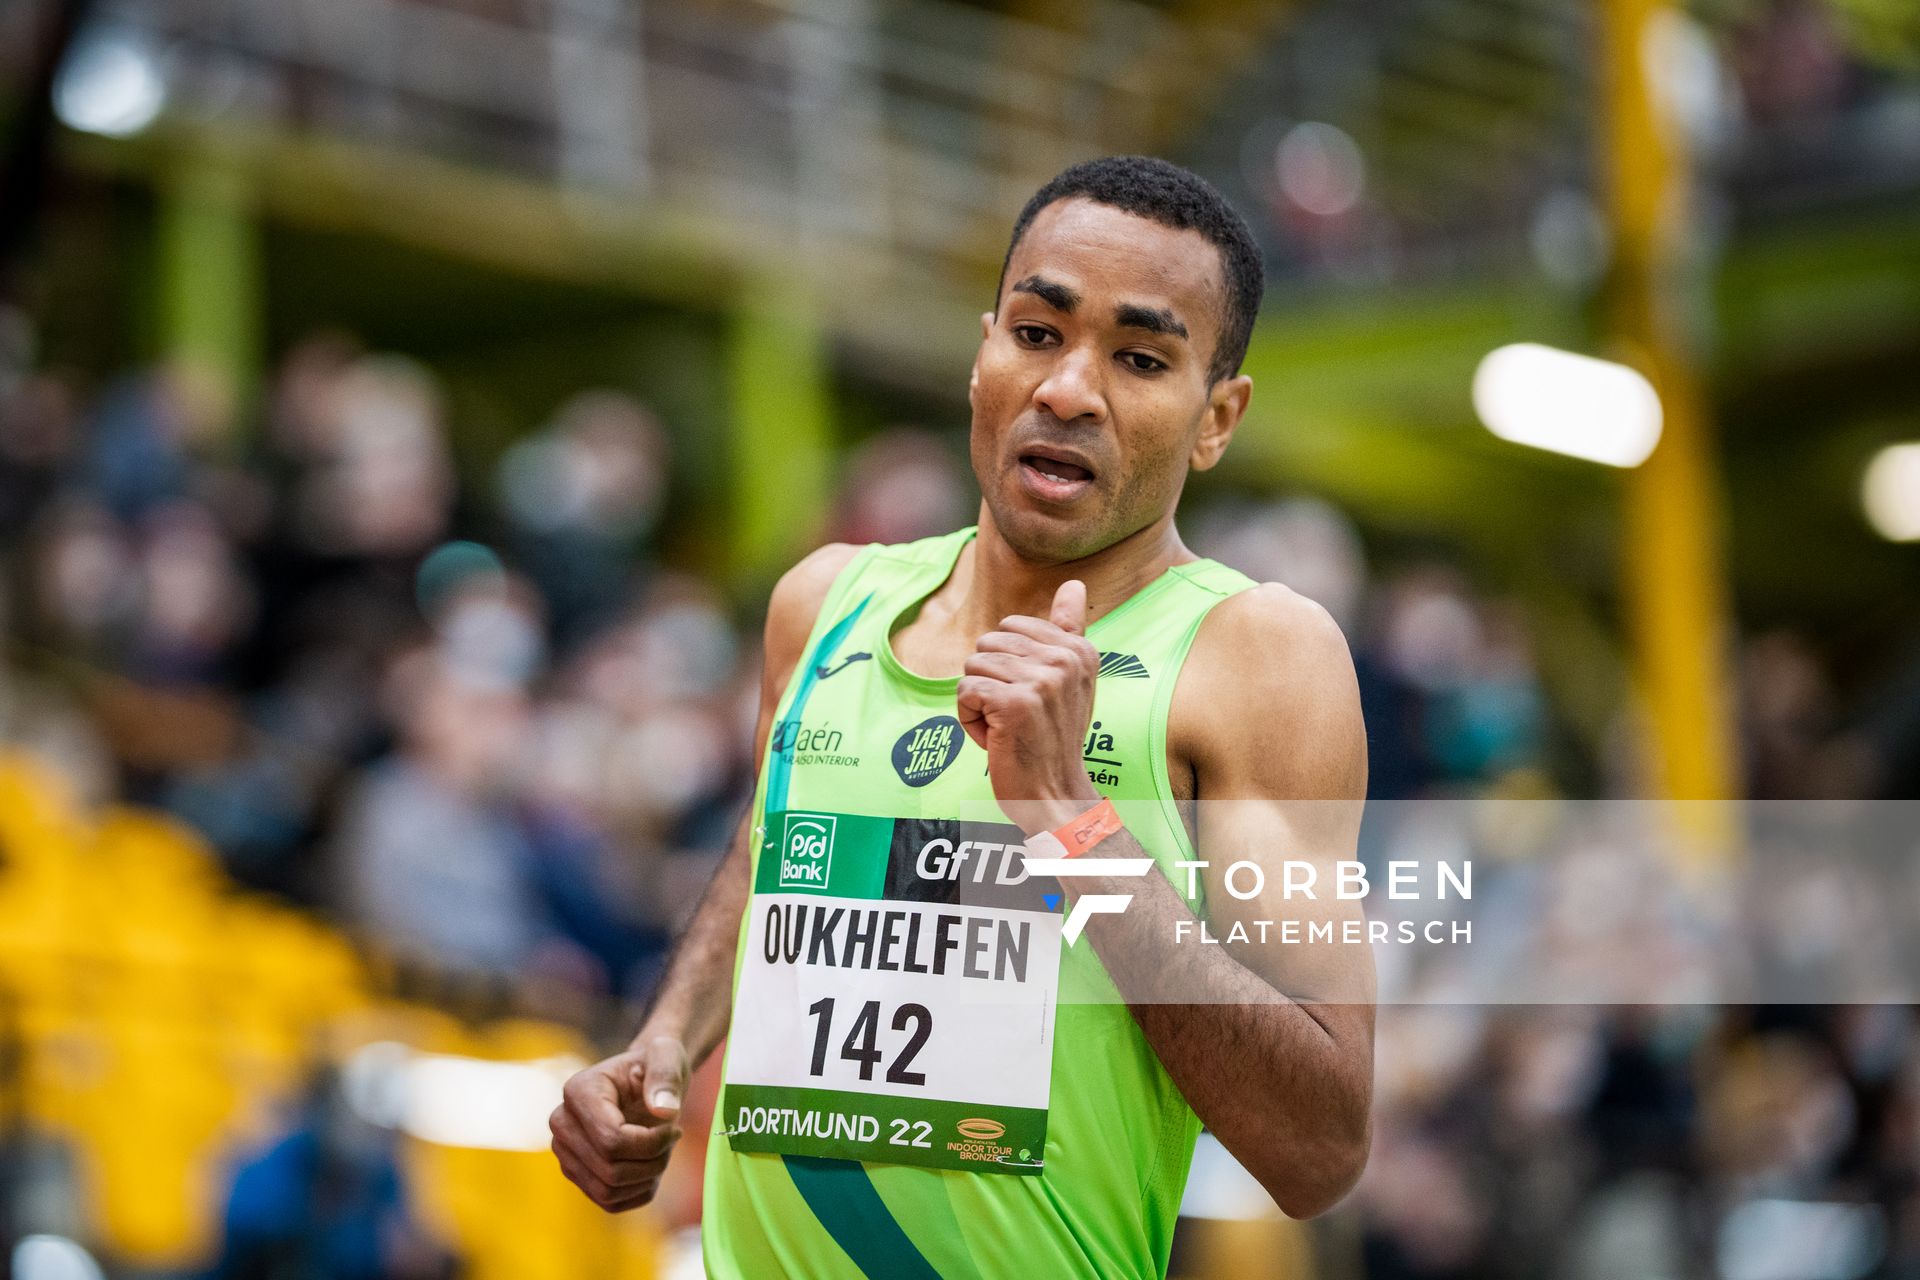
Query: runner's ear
[[973, 377]]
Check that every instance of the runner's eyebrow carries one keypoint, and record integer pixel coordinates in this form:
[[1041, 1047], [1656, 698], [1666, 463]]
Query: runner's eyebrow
[[1161, 320], [1128, 315], [1051, 292]]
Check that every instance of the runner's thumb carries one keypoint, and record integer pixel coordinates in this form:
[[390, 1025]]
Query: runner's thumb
[[1069, 612], [661, 1075]]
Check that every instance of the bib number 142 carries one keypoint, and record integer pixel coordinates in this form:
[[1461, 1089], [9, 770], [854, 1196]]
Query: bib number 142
[[860, 1045]]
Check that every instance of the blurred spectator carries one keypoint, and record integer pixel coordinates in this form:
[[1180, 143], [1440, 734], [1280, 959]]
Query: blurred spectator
[[1790, 733], [194, 601], [364, 488], [433, 862], [327, 1198], [37, 438], [83, 582], [1305, 543], [902, 485], [1792, 64], [581, 495], [380, 481], [1481, 710], [142, 446]]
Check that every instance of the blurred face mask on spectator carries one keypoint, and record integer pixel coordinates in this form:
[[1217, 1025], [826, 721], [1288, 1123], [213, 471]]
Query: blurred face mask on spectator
[[1097, 358]]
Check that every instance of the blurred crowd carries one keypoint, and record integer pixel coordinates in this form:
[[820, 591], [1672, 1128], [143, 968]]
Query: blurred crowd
[[468, 712], [1585, 1143], [483, 727]]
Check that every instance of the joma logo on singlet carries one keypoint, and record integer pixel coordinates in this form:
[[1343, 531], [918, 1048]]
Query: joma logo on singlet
[[806, 851]]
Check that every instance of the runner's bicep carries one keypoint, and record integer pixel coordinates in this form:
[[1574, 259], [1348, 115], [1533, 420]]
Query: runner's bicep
[[1282, 784], [1280, 893]]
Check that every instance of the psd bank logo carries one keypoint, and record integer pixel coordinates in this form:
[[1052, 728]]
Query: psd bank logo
[[806, 851]]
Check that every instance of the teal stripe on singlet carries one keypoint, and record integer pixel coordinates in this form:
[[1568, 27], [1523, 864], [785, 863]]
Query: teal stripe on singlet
[[839, 1192], [843, 1197], [780, 764]]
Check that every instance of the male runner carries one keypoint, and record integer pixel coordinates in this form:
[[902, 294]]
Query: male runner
[[924, 1077]]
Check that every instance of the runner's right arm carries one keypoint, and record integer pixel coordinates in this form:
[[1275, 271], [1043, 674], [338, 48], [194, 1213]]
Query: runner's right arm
[[618, 1119]]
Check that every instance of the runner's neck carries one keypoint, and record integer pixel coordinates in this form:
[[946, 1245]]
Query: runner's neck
[[991, 579]]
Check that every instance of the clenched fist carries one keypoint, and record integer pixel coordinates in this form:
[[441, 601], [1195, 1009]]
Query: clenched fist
[[1026, 696], [618, 1120]]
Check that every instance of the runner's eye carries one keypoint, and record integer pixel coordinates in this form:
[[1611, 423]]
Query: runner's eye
[[1031, 335], [1141, 362]]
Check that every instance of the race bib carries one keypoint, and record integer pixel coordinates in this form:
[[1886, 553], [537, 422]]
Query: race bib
[[897, 995]]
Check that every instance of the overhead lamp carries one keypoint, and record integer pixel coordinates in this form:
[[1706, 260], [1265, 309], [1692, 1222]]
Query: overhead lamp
[[109, 84], [1568, 403], [1890, 492]]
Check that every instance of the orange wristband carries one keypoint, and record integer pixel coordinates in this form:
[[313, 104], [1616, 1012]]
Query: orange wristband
[[1089, 829]]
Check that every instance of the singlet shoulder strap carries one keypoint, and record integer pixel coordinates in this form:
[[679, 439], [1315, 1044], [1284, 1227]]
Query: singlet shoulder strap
[[879, 567], [1210, 575]]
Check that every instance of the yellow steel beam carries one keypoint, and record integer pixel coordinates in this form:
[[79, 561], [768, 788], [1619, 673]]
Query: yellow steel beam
[[1675, 576]]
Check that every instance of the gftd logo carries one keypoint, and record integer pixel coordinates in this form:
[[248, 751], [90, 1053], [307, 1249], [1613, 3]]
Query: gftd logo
[[1088, 905]]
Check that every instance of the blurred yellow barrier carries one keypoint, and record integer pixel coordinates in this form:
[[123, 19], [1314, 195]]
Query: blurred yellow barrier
[[165, 1019]]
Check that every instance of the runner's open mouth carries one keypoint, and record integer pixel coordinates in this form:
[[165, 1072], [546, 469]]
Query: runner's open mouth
[[1055, 469]]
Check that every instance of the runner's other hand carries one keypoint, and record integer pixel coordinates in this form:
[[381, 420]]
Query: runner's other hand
[[1026, 696], [618, 1120]]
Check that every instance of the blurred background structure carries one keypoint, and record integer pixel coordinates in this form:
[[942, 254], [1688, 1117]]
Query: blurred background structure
[[405, 405]]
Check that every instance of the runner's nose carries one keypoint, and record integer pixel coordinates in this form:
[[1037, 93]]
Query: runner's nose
[[1074, 389]]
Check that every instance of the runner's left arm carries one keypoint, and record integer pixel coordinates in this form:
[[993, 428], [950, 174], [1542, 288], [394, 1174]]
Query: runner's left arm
[[1269, 1036], [1270, 1042]]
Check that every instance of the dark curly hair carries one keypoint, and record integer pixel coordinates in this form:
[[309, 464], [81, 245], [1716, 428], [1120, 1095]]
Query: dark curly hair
[[1163, 192]]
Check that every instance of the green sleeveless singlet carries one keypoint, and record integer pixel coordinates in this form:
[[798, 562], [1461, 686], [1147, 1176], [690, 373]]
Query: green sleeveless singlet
[[921, 1078]]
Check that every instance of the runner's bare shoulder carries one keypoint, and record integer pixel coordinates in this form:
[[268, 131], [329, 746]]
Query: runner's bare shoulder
[[796, 601], [1270, 680]]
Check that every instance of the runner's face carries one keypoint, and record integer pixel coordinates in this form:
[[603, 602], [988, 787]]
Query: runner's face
[[1090, 394]]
